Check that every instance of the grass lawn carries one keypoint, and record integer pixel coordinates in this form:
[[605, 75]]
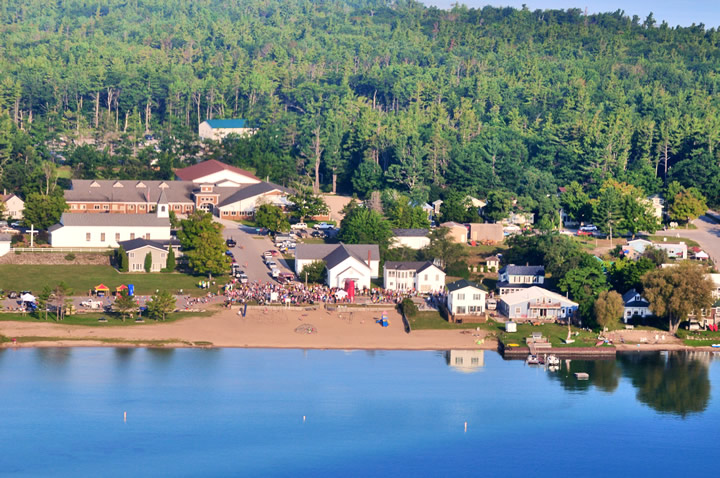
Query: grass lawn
[[432, 319], [82, 278], [699, 342], [113, 319], [674, 240], [556, 333]]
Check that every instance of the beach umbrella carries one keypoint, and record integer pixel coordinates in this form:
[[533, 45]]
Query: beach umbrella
[[27, 298], [341, 294]]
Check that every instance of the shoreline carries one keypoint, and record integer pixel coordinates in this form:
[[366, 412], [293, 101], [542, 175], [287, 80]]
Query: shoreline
[[333, 330]]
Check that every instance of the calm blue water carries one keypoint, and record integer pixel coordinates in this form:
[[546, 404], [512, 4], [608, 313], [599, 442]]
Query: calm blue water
[[236, 412]]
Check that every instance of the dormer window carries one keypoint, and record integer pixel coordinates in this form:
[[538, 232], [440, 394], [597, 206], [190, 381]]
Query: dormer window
[[140, 185], [163, 185], [94, 184], [118, 184]]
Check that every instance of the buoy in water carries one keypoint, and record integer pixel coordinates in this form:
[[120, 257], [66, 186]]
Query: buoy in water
[[466, 426], [124, 416], [303, 418]]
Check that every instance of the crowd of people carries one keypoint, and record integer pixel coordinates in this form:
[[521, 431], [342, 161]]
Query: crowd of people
[[296, 293]]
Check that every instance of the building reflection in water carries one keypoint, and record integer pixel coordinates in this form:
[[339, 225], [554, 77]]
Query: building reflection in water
[[467, 361]]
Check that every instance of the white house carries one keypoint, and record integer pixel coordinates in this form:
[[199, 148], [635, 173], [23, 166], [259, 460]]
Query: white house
[[108, 230], [5, 241], [358, 263], [421, 276], [512, 278], [635, 305], [536, 303], [467, 361], [674, 250], [412, 238], [465, 297], [715, 278], [217, 129], [13, 206], [519, 218], [656, 203], [216, 173]]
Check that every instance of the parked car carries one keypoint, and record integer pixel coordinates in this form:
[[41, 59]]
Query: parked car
[[271, 264], [589, 227], [286, 277], [231, 242], [299, 225], [12, 295], [243, 279], [322, 226], [275, 272], [584, 233]]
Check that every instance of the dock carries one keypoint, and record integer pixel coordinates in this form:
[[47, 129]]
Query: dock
[[518, 353]]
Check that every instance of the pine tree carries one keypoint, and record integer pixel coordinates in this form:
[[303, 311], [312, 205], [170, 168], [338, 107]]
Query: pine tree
[[170, 263], [148, 262], [122, 259]]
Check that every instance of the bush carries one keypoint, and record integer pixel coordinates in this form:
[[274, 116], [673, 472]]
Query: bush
[[408, 307], [70, 257], [458, 269]]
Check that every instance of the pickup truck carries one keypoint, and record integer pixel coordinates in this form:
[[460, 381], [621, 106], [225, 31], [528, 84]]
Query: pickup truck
[[322, 226]]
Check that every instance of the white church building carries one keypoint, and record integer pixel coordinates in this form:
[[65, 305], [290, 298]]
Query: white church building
[[108, 230]]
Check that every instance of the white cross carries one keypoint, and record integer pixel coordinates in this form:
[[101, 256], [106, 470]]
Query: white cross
[[32, 232]]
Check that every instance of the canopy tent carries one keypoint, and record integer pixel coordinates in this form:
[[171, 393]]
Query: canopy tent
[[102, 289], [702, 255], [27, 298], [341, 294], [121, 288]]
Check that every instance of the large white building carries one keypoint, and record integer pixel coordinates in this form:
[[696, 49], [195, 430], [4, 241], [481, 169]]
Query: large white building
[[536, 303], [217, 129], [108, 230], [423, 277], [344, 263], [412, 238], [216, 173]]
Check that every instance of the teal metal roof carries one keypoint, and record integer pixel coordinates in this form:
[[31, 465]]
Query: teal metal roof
[[228, 123]]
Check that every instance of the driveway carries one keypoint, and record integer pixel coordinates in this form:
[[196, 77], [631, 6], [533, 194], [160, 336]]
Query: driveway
[[249, 249], [707, 235]]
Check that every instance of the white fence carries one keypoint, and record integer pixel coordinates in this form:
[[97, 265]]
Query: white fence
[[61, 249]]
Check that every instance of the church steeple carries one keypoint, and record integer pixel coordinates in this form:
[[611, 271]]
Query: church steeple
[[163, 208]]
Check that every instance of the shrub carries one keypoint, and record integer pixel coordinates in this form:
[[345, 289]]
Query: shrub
[[70, 257], [408, 307], [458, 269]]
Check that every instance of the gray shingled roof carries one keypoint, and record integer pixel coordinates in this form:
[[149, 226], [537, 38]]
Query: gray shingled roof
[[133, 244], [322, 251], [628, 299], [340, 254], [5, 237], [512, 269], [410, 232], [462, 283], [248, 192], [108, 219], [110, 190], [407, 265]]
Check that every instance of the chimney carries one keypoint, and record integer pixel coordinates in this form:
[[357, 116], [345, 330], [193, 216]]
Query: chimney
[[368, 257]]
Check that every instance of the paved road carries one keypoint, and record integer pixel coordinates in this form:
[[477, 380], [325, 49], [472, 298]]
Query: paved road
[[249, 249], [707, 235]]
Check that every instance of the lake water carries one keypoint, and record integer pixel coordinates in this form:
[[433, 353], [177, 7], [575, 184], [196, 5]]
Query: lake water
[[239, 412]]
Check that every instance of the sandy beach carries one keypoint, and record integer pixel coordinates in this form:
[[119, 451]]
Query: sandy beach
[[261, 328]]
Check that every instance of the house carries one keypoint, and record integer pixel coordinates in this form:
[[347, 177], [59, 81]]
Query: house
[[520, 219], [656, 203], [566, 220], [715, 278], [475, 202], [436, 206], [138, 249], [344, 263], [635, 305], [129, 197], [412, 238], [486, 233], [465, 297], [217, 129], [13, 206], [423, 277], [536, 303], [512, 278], [492, 262], [674, 250], [108, 230], [216, 173], [457, 232], [5, 241]]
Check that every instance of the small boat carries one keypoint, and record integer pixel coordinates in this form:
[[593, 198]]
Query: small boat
[[532, 360], [552, 360], [717, 346]]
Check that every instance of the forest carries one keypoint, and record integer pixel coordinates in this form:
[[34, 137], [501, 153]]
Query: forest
[[355, 96]]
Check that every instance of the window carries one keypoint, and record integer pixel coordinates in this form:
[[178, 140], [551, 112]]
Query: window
[[131, 255], [517, 311], [87, 236], [460, 310], [102, 237], [117, 237], [142, 206], [391, 273], [82, 206], [106, 207], [474, 361], [132, 235], [461, 297], [458, 360], [132, 206], [426, 277], [477, 296], [72, 206], [147, 236], [96, 206], [162, 209]]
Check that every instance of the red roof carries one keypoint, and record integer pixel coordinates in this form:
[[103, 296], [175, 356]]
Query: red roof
[[196, 171]]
